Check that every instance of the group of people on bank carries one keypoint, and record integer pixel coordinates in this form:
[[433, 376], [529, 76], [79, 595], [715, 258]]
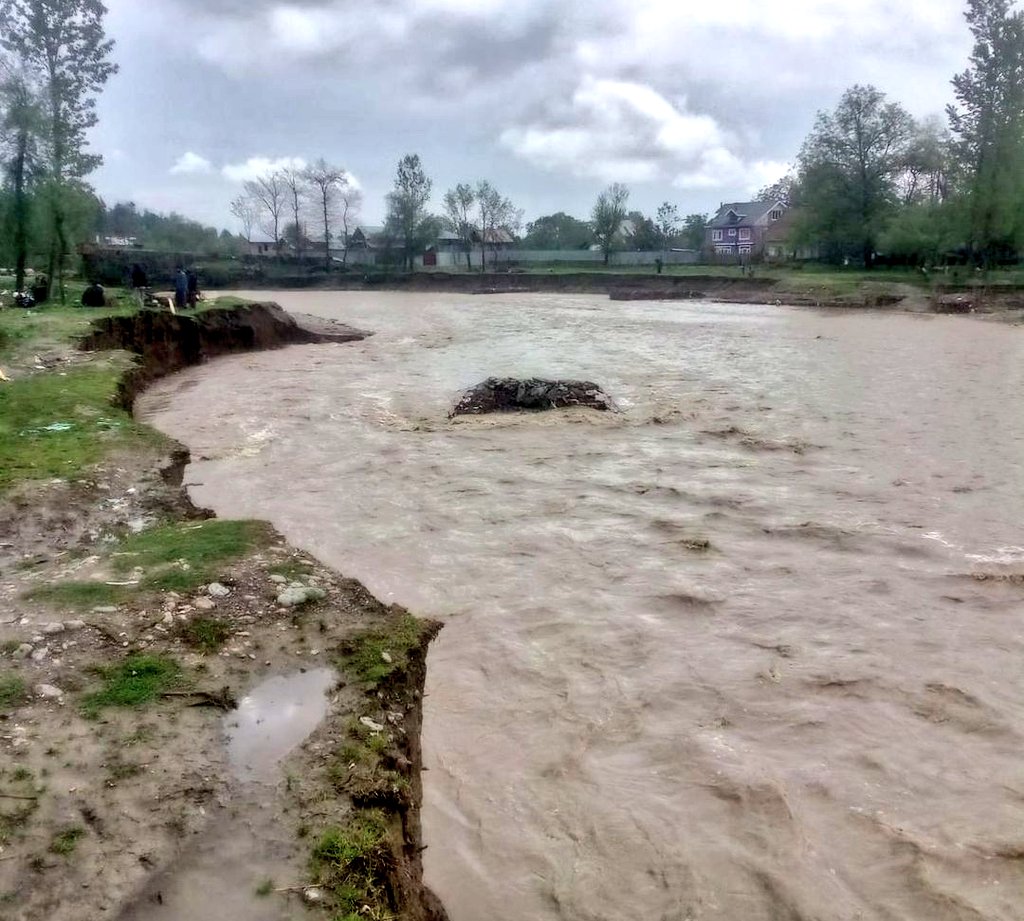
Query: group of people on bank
[[186, 289]]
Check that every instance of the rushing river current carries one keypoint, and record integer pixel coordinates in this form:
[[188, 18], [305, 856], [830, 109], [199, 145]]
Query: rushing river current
[[750, 650]]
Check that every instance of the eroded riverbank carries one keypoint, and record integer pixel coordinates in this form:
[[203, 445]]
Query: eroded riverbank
[[130, 620], [738, 651]]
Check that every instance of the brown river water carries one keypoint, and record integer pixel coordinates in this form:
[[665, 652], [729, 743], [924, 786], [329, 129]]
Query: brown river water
[[819, 716]]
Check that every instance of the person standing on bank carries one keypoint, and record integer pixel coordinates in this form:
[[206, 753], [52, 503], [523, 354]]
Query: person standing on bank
[[193, 289], [180, 289]]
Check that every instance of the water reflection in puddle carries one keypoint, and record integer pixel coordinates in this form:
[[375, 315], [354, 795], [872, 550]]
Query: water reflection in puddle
[[273, 718]]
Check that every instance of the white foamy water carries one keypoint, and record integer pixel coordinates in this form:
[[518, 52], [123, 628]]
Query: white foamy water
[[819, 717]]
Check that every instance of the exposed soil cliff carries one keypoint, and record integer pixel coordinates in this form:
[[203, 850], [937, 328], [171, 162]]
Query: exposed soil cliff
[[168, 342]]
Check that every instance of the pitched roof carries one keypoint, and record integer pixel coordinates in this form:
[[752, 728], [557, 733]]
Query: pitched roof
[[741, 213]]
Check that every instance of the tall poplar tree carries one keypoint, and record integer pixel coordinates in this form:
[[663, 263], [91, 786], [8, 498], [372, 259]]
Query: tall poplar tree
[[62, 45], [988, 124], [407, 204]]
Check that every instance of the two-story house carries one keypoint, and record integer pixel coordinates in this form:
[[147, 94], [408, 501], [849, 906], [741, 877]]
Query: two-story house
[[739, 228]]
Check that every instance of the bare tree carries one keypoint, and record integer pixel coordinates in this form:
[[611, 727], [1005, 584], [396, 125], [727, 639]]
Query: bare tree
[[326, 182], [247, 210], [458, 209], [350, 200], [269, 193], [609, 213], [296, 190], [495, 215]]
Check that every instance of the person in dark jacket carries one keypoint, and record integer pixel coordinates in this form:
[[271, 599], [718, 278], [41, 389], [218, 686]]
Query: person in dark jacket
[[139, 279], [93, 296], [193, 289], [180, 289]]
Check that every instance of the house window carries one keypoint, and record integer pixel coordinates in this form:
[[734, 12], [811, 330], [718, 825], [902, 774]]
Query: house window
[[745, 233], [775, 215], [724, 250], [732, 231], [716, 235], [744, 250]]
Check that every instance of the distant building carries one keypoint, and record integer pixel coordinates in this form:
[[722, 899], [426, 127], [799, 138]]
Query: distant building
[[113, 242], [741, 228], [778, 240], [263, 247]]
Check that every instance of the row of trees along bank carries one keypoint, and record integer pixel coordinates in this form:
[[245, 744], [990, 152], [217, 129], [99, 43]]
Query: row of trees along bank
[[871, 179], [54, 60]]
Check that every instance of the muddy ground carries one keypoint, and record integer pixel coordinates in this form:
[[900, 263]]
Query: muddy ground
[[132, 808]]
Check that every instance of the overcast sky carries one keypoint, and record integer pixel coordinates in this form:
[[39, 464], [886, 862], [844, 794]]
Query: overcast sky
[[691, 101]]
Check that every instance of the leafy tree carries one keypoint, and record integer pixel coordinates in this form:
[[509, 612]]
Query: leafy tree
[[269, 193], [694, 226], [848, 170], [458, 212], [784, 190], [608, 215], [62, 44], [928, 169], [557, 231], [922, 233], [247, 210], [668, 220], [641, 233], [988, 123], [407, 204]]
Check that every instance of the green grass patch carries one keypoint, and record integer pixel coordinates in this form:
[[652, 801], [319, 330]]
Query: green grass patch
[[56, 426], [350, 862], [12, 691], [207, 634], [66, 840], [136, 681], [373, 655], [181, 556], [79, 594], [47, 326]]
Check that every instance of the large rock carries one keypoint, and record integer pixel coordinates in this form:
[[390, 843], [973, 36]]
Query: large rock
[[509, 394]]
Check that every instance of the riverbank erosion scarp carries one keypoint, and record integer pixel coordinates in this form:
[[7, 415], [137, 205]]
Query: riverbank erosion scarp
[[132, 625], [168, 342]]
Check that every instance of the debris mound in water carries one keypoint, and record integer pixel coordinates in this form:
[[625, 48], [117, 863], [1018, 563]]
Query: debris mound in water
[[509, 394]]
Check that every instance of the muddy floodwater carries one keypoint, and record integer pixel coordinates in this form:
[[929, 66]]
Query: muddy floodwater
[[751, 649]]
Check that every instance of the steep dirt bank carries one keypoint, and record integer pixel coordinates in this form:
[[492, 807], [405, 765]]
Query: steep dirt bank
[[113, 579], [169, 342]]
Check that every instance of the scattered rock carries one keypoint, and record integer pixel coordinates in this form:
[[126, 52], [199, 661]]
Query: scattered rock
[[508, 394], [39, 654], [204, 604], [216, 590], [312, 895], [371, 724], [279, 579], [386, 656], [295, 595], [51, 629], [105, 609], [48, 691], [74, 625], [23, 651]]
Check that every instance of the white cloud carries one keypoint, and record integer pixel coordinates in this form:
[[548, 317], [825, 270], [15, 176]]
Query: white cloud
[[190, 163], [616, 130], [260, 166]]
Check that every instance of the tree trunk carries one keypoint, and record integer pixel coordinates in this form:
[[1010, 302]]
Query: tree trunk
[[327, 239], [20, 211], [607, 253]]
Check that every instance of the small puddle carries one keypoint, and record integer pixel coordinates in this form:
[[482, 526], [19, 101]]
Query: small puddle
[[216, 877], [273, 718]]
